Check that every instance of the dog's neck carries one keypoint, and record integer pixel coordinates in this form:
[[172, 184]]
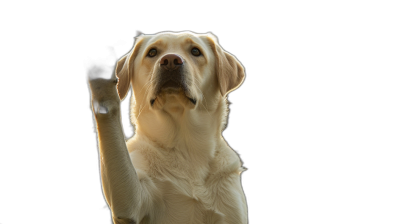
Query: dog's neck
[[195, 132]]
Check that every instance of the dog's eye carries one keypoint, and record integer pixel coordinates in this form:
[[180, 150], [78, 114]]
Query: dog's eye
[[152, 53], [196, 52]]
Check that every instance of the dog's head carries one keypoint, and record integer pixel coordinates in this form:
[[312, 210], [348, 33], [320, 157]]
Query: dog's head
[[184, 68]]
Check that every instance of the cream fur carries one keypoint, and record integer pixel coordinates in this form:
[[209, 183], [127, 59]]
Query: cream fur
[[183, 170]]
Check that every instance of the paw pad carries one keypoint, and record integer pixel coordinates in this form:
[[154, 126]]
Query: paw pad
[[102, 110]]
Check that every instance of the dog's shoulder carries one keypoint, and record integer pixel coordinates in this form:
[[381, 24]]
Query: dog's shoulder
[[225, 161]]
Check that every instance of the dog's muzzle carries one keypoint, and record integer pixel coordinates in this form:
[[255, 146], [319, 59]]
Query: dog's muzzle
[[171, 76]]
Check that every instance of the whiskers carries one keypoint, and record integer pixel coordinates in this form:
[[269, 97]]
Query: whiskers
[[148, 82], [202, 95], [147, 86]]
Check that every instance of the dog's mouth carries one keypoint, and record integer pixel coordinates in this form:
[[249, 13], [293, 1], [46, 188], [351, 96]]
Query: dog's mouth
[[172, 86]]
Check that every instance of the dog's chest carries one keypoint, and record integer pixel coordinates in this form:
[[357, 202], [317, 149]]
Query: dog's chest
[[187, 192], [187, 196], [188, 202]]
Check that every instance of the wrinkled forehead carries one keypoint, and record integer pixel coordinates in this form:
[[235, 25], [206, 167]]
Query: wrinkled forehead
[[170, 40]]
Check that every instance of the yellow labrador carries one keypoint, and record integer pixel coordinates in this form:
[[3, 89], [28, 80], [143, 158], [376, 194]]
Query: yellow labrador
[[177, 168]]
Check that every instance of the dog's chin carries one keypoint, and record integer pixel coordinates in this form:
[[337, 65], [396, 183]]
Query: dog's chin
[[171, 88]]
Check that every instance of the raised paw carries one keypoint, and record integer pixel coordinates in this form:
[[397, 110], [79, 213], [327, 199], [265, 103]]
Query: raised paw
[[99, 65]]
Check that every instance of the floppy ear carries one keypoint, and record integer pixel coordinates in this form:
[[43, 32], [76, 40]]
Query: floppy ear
[[124, 69], [229, 70]]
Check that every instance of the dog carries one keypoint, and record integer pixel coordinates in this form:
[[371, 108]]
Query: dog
[[177, 168]]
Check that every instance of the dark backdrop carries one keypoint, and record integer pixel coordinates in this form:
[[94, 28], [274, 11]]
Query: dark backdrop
[[277, 121]]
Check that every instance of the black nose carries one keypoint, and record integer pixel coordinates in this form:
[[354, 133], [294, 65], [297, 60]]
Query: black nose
[[171, 61]]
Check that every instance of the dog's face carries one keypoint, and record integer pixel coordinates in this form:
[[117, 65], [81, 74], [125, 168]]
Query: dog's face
[[174, 68], [177, 68]]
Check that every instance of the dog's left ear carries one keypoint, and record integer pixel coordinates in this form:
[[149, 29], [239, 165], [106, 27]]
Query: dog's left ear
[[229, 70]]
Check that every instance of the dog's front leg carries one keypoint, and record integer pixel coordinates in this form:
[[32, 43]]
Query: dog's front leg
[[121, 185]]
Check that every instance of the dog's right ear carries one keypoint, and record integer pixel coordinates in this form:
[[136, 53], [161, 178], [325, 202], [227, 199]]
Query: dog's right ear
[[124, 69]]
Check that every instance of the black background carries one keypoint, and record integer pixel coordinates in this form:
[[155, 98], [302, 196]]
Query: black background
[[279, 121]]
